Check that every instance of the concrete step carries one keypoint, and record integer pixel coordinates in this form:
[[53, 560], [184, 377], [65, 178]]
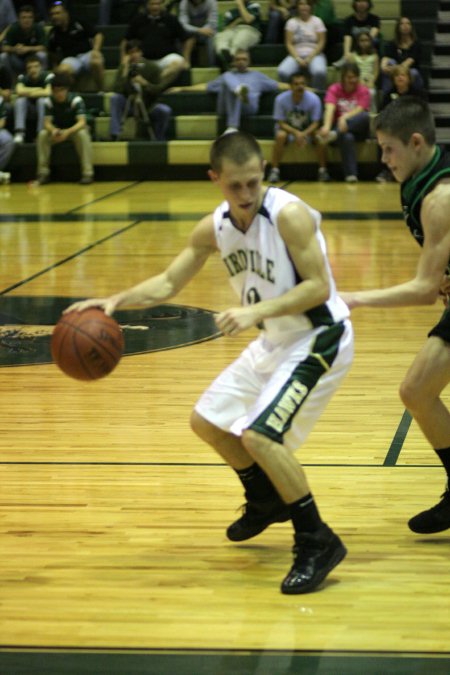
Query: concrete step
[[441, 61], [438, 83], [440, 108]]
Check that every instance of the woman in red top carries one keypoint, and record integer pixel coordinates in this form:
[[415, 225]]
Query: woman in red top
[[346, 118]]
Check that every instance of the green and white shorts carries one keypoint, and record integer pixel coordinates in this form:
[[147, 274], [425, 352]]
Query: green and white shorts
[[280, 390]]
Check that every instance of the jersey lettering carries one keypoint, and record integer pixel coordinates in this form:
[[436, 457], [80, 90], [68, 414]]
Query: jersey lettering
[[243, 260]]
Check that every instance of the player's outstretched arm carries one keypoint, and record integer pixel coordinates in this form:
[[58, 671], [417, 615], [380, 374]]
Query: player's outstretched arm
[[427, 284], [162, 287]]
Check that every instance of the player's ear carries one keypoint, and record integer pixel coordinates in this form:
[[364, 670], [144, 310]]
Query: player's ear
[[417, 140], [213, 175]]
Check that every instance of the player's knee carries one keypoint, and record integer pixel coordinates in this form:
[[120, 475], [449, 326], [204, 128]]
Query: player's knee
[[202, 428], [256, 444], [409, 395]]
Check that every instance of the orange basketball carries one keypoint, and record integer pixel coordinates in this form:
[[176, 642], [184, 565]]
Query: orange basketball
[[87, 345]]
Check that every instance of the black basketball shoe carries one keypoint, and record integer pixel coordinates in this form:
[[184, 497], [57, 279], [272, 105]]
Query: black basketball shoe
[[315, 555], [256, 517], [435, 519]]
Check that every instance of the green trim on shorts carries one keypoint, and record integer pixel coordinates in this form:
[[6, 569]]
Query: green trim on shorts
[[277, 419]]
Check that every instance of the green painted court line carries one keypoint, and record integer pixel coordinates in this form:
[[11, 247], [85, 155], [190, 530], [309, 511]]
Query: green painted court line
[[398, 440], [220, 662]]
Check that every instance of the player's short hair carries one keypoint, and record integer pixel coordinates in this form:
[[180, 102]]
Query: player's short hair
[[406, 116], [239, 147]]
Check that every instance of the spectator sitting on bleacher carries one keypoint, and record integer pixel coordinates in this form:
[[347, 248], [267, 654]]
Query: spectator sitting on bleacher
[[24, 38], [305, 38], [31, 91], [199, 20], [241, 30], [346, 118], [404, 49], [368, 62], [137, 75], [6, 144], [162, 36], [74, 46], [297, 114], [361, 21], [65, 119], [239, 90]]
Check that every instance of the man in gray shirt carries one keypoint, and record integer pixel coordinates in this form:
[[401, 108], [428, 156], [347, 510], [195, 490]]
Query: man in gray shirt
[[238, 90], [199, 20]]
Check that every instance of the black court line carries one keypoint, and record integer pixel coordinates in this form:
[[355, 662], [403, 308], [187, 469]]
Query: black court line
[[187, 661], [70, 257], [145, 216], [398, 440], [216, 464], [110, 194]]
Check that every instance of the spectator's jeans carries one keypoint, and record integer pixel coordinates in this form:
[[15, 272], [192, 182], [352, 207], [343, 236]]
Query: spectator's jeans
[[230, 105], [159, 116], [6, 148], [23, 107], [358, 130], [239, 37], [317, 69], [83, 145]]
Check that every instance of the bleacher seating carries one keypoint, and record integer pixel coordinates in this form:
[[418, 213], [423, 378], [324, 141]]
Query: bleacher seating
[[195, 121]]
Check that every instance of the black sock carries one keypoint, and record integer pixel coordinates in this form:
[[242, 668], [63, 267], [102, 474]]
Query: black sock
[[257, 485], [444, 456], [305, 515]]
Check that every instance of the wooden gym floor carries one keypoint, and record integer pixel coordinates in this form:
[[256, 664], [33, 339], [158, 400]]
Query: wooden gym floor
[[112, 514]]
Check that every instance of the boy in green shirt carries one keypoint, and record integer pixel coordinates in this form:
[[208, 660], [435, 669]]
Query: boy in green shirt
[[65, 119]]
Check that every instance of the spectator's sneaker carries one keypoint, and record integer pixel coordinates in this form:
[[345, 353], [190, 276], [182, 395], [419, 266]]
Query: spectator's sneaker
[[242, 93], [86, 180], [323, 176], [5, 177], [385, 176], [274, 175], [43, 179], [19, 137], [315, 555], [230, 130], [351, 179], [435, 519], [256, 517]]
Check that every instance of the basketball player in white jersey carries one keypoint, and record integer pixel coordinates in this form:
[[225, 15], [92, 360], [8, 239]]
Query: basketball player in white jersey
[[262, 407]]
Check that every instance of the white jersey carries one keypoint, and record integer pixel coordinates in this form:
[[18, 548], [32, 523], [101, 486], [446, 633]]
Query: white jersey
[[261, 268]]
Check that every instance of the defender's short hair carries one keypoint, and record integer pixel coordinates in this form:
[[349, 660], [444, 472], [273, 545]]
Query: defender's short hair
[[406, 116], [239, 147]]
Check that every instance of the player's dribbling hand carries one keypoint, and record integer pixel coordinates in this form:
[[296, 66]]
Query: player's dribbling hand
[[108, 305], [236, 319]]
